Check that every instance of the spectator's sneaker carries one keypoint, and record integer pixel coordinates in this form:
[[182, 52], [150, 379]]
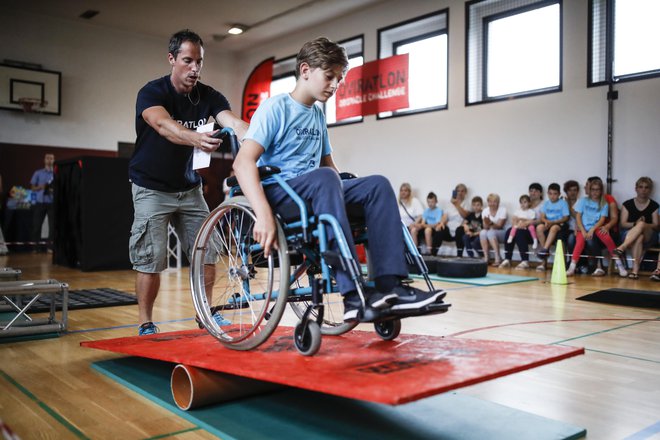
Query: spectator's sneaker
[[598, 273], [410, 298], [571, 270], [148, 328], [375, 300], [623, 272], [522, 265], [540, 268], [655, 276], [505, 263]]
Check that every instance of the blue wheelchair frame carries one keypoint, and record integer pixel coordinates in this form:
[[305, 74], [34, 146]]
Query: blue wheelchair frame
[[308, 236]]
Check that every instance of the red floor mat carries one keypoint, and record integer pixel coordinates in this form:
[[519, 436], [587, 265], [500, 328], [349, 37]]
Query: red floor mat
[[357, 365]]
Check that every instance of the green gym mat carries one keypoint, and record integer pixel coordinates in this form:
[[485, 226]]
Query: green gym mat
[[492, 279], [295, 413]]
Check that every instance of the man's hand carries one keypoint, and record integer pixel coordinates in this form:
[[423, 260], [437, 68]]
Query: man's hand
[[207, 142]]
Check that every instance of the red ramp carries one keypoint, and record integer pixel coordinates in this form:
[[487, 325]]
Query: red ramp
[[357, 365]]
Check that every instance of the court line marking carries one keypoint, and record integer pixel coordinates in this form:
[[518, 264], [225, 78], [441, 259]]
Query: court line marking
[[50, 411], [645, 433]]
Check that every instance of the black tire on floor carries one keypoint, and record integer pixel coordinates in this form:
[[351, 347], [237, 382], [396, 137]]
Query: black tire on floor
[[461, 267]]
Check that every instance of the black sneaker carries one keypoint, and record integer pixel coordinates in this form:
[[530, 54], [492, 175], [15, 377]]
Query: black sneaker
[[409, 298], [375, 300]]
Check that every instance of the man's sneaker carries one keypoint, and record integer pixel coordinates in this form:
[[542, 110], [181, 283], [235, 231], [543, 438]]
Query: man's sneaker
[[409, 298], [505, 263], [522, 265], [148, 328], [375, 300], [220, 320]]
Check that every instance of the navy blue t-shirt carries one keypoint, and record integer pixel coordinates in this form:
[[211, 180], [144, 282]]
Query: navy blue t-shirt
[[157, 163]]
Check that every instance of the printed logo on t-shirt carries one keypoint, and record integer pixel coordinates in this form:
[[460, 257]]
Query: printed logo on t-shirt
[[192, 124], [308, 133]]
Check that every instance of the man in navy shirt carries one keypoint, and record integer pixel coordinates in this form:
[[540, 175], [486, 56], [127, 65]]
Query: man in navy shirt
[[165, 187], [42, 188]]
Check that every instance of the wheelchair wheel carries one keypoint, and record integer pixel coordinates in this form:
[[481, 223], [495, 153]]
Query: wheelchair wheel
[[229, 277], [333, 306], [307, 337], [388, 330]]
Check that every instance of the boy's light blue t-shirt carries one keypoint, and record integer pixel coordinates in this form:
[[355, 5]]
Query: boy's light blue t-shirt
[[432, 216], [294, 136], [555, 210], [591, 211]]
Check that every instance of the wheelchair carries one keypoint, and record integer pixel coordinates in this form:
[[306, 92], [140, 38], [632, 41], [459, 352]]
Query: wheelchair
[[230, 275]]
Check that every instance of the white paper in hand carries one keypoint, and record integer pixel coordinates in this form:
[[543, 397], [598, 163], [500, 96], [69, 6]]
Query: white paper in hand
[[202, 159]]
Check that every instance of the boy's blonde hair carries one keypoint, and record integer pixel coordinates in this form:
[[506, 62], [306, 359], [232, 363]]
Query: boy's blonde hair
[[493, 197], [322, 53]]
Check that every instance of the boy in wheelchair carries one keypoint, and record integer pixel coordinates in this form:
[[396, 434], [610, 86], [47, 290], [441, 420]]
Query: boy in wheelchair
[[289, 131]]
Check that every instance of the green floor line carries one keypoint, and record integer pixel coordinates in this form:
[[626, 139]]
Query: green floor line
[[622, 355], [171, 434], [54, 414], [598, 332]]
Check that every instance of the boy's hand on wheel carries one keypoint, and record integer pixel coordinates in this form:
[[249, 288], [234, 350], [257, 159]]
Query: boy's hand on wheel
[[264, 233]]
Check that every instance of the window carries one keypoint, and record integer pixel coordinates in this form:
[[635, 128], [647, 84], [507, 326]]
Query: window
[[355, 51], [513, 49], [425, 41], [623, 36], [284, 79]]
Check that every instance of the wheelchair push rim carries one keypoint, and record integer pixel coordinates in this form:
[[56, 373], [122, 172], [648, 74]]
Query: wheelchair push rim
[[247, 289]]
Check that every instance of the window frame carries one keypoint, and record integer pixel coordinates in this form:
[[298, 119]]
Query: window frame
[[482, 58], [608, 52], [349, 55], [413, 39]]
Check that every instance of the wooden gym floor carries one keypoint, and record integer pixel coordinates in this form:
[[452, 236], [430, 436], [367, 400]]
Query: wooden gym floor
[[48, 390]]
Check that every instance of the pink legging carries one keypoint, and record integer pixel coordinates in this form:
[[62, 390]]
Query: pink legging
[[604, 237]]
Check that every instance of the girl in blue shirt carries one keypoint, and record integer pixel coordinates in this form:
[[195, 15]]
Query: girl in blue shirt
[[591, 213]]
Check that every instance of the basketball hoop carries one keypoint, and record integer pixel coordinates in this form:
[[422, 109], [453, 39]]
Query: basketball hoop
[[32, 105]]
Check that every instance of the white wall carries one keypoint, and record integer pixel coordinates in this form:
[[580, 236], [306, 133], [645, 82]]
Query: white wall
[[498, 147], [102, 71]]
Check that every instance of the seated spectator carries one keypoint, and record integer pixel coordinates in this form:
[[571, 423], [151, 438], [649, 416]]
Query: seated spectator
[[535, 192], [410, 208], [572, 192], [523, 223], [592, 213], [494, 219], [472, 226], [639, 219], [431, 223], [457, 210], [554, 221]]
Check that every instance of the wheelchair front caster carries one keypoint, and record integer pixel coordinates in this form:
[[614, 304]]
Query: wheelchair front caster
[[388, 330], [307, 337]]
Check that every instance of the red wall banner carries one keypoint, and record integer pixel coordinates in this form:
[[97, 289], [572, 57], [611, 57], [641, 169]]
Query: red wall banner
[[374, 87], [257, 88]]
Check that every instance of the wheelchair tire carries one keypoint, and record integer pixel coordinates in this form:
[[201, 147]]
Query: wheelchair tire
[[333, 307], [388, 330], [460, 267], [307, 338], [251, 298]]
